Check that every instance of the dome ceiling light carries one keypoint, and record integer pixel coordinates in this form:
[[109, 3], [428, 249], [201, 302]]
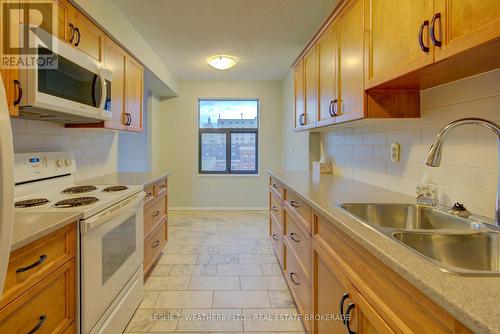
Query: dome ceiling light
[[222, 62]]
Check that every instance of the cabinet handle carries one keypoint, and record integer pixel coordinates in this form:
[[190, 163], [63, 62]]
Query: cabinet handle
[[155, 243], [39, 325], [156, 214], [424, 47], [31, 266], [341, 306], [275, 237], [334, 107], [302, 119], [294, 204], [78, 40], [72, 33], [292, 275], [274, 185], [275, 209], [149, 194], [17, 83], [432, 31], [293, 237], [347, 317]]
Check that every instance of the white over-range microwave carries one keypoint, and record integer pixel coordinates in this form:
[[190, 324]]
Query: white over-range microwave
[[76, 90]]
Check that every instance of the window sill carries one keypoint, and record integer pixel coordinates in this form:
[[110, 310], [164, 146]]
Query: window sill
[[228, 175]]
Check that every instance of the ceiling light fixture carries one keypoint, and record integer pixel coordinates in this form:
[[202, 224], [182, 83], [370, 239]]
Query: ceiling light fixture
[[222, 62]]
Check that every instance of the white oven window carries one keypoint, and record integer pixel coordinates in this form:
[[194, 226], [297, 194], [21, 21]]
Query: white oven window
[[117, 246]]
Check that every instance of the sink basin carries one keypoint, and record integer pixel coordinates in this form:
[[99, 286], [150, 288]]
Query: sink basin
[[464, 253], [406, 217]]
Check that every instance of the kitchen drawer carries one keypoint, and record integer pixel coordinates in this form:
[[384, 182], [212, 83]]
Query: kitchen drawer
[[50, 305], [150, 194], [277, 187], [299, 285], [276, 208], [299, 242], [277, 240], [153, 245], [161, 187], [298, 208], [30, 264], [154, 214]]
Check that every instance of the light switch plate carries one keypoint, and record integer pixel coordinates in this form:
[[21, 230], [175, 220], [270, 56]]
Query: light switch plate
[[395, 152]]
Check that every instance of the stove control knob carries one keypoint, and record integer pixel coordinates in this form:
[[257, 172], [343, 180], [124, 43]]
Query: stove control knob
[[60, 163], [68, 162]]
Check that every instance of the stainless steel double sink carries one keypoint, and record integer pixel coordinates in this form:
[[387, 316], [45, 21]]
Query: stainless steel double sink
[[454, 244]]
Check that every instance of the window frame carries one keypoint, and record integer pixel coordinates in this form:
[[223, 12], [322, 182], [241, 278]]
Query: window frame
[[228, 132]]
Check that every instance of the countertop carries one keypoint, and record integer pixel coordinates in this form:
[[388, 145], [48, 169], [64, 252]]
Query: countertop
[[31, 226], [471, 300], [144, 179]]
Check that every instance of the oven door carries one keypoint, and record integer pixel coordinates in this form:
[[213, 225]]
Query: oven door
[[111, 252]]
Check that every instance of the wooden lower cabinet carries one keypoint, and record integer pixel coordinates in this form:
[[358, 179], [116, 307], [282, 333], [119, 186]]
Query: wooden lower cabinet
[[42, 299], [344, 286], [155, 223]]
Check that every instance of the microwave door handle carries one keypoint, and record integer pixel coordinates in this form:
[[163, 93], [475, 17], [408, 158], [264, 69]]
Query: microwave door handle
[[103, 91], [131, 203]]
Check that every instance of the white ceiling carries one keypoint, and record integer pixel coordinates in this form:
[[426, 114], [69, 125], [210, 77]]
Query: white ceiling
[[265, 35]]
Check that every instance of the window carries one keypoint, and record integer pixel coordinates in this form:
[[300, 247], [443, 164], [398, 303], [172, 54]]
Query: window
[[228, 136]]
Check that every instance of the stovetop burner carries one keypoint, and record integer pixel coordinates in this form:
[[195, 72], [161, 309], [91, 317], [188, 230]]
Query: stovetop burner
[[31, 202], [79, 190], [77, 201], [114, 189]]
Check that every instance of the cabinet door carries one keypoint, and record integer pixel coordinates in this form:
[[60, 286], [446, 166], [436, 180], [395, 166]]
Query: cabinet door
[[299, 107], [329, 287], [133, 93], [328, 53], [10, 76], [351, 30], [88, 37], [465, 24], [62, 19], [394, 38], [311, 85], [114, 60]]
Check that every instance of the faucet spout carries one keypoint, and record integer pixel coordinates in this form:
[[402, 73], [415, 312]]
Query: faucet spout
[[433, 158]]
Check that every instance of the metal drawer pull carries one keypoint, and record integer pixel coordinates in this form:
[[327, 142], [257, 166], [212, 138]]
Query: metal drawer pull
[[31, 266], [72, 27], [156, 214], [274, 185], [155, 243], [293, 237], [39, 325], [341, 306], [79, 36], [432, 32], [275, 237], [423, 47], [275, 209], [347, 317], [17, 83], [294, 204], [293, 280], [149, 194]]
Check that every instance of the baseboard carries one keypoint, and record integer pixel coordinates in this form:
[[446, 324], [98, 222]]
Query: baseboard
[[218, 208]]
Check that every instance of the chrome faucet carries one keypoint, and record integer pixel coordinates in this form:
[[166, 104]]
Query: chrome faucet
[[434, 156]]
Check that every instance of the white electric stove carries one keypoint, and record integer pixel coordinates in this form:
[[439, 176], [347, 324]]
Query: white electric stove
[[111, 235]]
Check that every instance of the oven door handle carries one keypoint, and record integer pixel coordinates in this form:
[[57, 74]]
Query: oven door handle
[[126, 206]]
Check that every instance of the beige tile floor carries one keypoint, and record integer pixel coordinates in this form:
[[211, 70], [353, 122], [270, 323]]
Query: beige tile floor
[[217, 274]]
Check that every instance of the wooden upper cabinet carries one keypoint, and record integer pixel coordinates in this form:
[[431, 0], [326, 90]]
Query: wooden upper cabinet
[[328, 54], [397, 40], [133, 93], [311, 85], [299, 102], [10, 76], [464, 24], [114, 60], [351, 39], [85, 35]]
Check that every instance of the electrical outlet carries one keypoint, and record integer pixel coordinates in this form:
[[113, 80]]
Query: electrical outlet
[[395, 152]]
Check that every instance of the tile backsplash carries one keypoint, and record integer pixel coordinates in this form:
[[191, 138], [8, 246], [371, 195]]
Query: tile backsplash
[[469, 169], [96, 150]]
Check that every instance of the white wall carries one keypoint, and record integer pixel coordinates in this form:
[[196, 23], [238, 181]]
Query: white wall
[[469, 169], [96, 151], [175, 139]]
